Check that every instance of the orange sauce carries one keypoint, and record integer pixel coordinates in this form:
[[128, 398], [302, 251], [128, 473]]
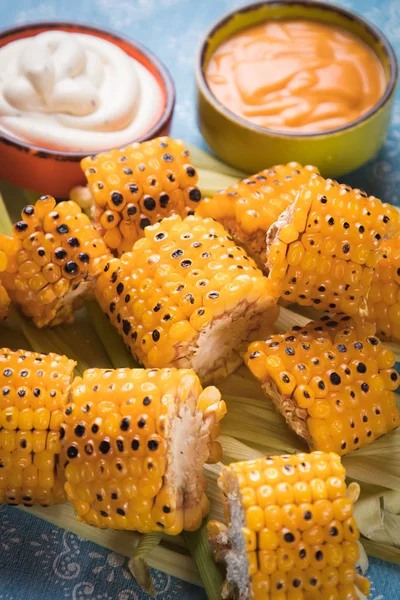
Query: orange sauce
[[296, 76]]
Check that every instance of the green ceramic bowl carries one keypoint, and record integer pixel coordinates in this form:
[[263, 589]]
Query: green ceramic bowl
[[250, 147]]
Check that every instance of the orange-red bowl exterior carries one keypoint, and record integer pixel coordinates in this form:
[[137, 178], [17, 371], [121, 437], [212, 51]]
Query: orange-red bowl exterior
[[52, 171]]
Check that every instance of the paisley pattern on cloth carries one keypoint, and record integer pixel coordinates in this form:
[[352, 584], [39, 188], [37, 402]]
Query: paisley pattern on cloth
[[37, 560]]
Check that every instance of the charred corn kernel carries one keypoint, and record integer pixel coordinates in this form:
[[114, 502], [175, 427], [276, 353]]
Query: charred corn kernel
[[333, 236], [53, 258], [29, 436], [137, 186], [305, 554], [4, 299], [349, 400], [384, 295], [123, 472], [172, 300], [248, 208]]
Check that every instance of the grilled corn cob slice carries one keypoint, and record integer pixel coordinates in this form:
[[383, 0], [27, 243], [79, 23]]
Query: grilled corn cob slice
[[384, 295], [33, 391], [249, 208], [4, 298], [332, 380], [134, 445], [137, 186], [186, 297], [54, 256], [323, 249], [291, 532]]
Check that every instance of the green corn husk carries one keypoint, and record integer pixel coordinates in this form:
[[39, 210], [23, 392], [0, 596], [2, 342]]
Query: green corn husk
[[203, 160], [108, 335], [12, 336], [200, 550], [138, 566], [395, 348], [15, 199], [251, 428], [211, 182], [30, 197], [168, 558]]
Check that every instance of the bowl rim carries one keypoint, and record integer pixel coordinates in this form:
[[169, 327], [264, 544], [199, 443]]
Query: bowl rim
[[74, 156], [351, 15]]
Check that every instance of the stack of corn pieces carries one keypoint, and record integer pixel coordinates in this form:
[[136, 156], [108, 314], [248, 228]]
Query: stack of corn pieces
[[126, 446], [192, 285]]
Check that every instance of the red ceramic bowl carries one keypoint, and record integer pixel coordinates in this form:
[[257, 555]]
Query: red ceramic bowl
[[52, 171]]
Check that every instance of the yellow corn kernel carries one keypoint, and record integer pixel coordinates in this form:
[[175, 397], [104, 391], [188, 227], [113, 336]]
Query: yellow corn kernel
[[278, 251], [287, 235]]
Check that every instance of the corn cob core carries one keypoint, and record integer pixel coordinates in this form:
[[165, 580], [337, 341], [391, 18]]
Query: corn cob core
[[134, 445], [186, 297], [4, 298], [54, 256], [323, 249], [332, 380], [137, 186], [291, 532], [33, 391], [384, 295], [249, 208]]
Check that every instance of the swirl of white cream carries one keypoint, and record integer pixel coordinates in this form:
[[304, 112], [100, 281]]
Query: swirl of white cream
[[75, 92]]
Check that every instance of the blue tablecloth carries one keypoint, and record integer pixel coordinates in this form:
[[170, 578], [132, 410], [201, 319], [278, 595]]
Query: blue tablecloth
[[39, 561]]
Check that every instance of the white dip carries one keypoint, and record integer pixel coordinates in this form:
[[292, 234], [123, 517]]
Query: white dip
[[76, 92]]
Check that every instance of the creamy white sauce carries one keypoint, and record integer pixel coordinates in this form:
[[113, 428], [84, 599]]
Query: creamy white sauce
[[75, 92]]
